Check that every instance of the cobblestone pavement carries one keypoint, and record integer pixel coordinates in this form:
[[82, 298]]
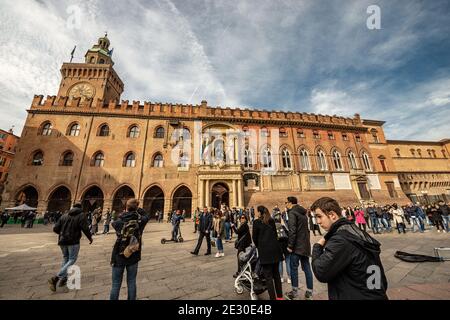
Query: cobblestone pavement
[[28, 257]]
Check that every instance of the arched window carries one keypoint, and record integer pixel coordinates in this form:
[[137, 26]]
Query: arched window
[[304, 160], [366, 161], [322, 161], [133, 132], [159, 132], [46, 129], [397, 151], [245, 131], [434, 153], [264, 132], [158, 161], [248, 159], [74, 130], [444, 154], [286, 159], [283, 133], [337, 161], [352, 160], [184, 160], [38, 158], [98, 160], [92, 60], [103, 130], [102, 61], [419, 152], [67, 159], [413, 152], [267, 158], [129, 160]]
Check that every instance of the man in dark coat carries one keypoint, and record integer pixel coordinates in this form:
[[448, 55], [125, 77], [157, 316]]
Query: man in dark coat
[[347, 258], [69, 228], [5, 217], [204, 228], [299, 246], [127, 249]]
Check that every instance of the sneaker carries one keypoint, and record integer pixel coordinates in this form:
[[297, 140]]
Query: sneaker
[[222, 254], [217, 255], [194, 253], [282, 280], [308, 295], [439, 231], [289, 281], [52, 283], [291, 295]]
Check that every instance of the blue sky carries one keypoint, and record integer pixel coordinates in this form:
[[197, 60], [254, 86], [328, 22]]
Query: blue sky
[[305, 56]]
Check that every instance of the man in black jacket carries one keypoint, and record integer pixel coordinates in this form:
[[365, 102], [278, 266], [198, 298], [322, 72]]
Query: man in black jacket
[[204, 228], [299, 247], [127, 249], [69, 228], [347, 258]]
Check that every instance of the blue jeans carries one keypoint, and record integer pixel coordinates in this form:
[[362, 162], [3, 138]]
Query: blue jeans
[[416, 221], [383, 222], [117, 276], [306, 267], [445, 222], [219, 244], [374, 223], [70, 256], [175, 232], [288, 266], [227, 231]]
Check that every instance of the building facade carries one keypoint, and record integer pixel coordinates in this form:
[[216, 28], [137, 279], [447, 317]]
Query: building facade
[[423, 169], [86, 145], [8, 141]]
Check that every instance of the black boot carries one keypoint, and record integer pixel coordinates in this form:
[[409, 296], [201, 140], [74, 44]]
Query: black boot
[[52, 283]]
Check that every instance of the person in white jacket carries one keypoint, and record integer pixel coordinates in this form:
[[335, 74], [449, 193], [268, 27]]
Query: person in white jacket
[[399, 217]]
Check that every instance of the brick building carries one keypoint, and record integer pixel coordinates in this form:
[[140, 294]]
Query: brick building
[[8, 141], [87, 145]]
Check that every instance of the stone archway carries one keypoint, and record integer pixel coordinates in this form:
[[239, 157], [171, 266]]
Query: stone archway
[[92, 199], [153, 200], [182, 200], [220, 195], [121, 197], [29, 196], [59, 200]]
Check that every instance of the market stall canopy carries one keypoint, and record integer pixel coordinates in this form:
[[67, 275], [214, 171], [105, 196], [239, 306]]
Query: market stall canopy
[[22, 207]]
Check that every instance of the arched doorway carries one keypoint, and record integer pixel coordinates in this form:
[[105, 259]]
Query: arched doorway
[[92, 199], [154, 200], [28, 196], [121, 197], [182, 200], [220, 195], [59, 200]]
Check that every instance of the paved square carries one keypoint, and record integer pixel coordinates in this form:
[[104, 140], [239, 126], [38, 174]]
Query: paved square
[[28, 257]]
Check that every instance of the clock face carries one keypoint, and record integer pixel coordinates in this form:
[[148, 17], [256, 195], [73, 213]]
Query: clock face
[[82, 90]]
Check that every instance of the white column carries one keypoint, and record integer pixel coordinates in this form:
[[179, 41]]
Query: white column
[[235, 194], [201, 187], [207, 195], [240, 194]]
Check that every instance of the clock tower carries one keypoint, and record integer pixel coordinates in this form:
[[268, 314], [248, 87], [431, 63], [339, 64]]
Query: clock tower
[[95, 78]]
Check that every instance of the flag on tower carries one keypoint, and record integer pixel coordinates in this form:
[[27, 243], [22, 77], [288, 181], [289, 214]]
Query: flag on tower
[[72, 53]]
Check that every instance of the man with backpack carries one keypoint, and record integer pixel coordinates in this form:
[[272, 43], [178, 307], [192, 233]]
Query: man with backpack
[[127, 249], [69, 228], [347, 258], [299, 247]]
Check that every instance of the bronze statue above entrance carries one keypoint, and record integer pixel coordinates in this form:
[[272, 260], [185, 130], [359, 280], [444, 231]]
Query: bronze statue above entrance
[[220, 195]]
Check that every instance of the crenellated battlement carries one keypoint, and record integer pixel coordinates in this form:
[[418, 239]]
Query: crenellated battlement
[[202, 110]]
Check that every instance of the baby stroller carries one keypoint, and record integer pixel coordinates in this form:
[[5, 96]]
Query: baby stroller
[[250, 277]]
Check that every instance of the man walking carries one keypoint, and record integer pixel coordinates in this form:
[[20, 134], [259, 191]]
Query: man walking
[[107, 222], [5, 217], [69, 228], [445, 211], [347, 258], [127, 249], [204, 228], [299, 246]]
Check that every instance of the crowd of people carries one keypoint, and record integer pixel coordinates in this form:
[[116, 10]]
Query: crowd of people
[[282, 238]]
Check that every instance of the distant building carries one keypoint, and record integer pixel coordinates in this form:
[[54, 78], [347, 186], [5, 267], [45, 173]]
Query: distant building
[[86, 145], [8, 141]]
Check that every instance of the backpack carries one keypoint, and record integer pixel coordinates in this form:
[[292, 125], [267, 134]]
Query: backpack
[[130, 235]]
